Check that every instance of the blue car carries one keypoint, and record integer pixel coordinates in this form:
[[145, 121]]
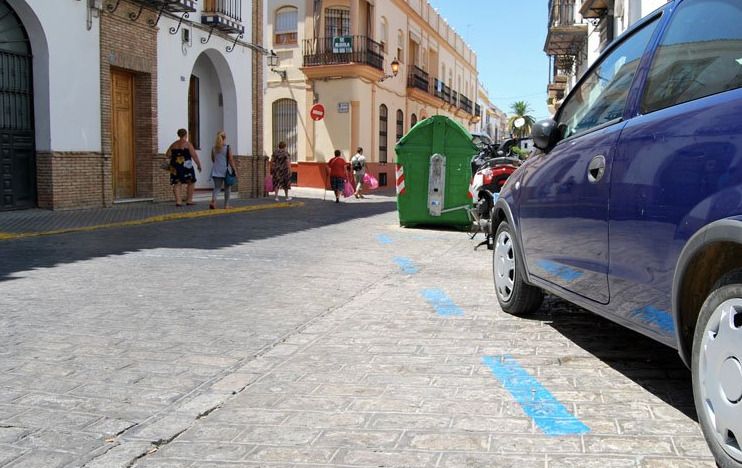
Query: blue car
[[633, 208]]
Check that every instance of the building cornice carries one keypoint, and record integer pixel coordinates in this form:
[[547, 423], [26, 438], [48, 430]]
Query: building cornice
[[420, 21]]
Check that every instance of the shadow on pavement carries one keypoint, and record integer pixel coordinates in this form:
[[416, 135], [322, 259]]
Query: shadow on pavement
[[208, 233], [654, 366]]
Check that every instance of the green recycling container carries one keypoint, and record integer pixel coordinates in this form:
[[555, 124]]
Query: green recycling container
[[433, 174]]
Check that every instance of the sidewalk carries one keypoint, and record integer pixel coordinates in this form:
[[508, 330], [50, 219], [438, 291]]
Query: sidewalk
[[37, 222]]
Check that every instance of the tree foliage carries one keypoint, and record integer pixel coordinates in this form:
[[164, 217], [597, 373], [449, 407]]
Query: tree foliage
[[521, 109]]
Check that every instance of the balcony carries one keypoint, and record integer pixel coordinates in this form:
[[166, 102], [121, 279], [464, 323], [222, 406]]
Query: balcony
[[565, 36], [343, 56], [422, 89], [223, 15], [169, 6], [418, 79], [441, 91], [466, 104]]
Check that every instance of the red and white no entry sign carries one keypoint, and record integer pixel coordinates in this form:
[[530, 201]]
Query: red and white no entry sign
[[317, 112]]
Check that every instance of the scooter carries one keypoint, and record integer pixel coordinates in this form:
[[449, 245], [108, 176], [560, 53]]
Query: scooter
[[491, 168]]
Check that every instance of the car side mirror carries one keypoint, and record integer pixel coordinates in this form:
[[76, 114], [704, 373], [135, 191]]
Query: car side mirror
[[545, 134]]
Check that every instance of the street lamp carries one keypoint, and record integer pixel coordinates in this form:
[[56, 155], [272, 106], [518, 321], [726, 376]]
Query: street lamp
[[273, 60], [395, 70]]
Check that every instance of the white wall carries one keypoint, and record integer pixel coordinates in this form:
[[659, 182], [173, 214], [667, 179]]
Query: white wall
[[66, 69], [231, 74], [175, 65]]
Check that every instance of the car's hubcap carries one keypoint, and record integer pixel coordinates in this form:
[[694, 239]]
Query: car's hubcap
[[504, 266], [720, 374]]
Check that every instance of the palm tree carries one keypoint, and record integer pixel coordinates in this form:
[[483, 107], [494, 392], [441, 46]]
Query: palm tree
[[521, 109]]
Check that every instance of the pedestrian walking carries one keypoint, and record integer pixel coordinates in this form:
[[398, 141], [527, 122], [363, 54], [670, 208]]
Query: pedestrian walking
[[221, 156], [358, 165], [182, 155], [338, 171], [281, 170]]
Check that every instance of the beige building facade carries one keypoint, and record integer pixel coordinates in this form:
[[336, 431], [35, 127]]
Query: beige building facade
[[338, 54]]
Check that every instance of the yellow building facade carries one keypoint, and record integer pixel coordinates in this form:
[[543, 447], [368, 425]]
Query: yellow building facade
[[333, 59]]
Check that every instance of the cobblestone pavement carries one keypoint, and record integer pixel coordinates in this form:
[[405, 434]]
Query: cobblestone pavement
[[319, 335]]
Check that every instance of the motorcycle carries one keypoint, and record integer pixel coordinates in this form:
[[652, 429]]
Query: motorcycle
[[491, 168]]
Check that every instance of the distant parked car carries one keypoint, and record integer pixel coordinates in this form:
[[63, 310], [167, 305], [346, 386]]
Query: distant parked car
[[633, 209]]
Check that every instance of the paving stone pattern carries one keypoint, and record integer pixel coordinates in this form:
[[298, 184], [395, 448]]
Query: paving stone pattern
[[291, 338]]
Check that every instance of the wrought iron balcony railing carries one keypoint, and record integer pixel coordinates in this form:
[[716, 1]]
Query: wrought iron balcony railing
[[418, 78], [224, 15], [466, 104], [561, 13], [454, 100], [170, 6], [343, 50]]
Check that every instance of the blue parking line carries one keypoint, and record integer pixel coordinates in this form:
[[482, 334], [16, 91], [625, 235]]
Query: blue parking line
[[384, 239], [537, 402], [442, 304], [556, 269], [406, 265], [656, 318]]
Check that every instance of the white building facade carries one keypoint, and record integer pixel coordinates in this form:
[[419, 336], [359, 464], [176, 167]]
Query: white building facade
[[579, 30], [98, 89]]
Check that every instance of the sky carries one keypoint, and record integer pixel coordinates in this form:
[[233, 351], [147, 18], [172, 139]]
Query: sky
[[508, 37]]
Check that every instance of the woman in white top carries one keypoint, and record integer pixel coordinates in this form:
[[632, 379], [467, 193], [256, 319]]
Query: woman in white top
[[221, 156]]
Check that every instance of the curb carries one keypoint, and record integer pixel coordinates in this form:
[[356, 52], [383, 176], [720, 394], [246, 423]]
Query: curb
[[152, 219]]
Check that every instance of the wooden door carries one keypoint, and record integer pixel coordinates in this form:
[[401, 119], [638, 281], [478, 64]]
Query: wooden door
[[124, 167]]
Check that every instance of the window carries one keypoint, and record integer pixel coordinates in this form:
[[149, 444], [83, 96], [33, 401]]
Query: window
[[337, 22], [384, 34], [413, 120], [400, 46], [383, 117], [601, 95], [700, 54], [400, 124], [194, 121], [284, 125], [286, 26]]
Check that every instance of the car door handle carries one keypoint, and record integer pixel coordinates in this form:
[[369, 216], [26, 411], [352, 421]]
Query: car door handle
[[596, 169]]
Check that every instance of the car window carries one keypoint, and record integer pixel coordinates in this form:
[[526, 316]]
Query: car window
[[699, 55], [601, 96]]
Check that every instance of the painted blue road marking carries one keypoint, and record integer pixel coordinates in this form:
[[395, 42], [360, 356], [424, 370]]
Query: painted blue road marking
[[556, 269], [384, 239], [550, 416], [655, 318], [442, 304], [406, 265]]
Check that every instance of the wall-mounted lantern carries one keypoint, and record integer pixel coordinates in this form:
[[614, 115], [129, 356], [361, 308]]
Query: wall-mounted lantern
[[273, 61], [395, 70]]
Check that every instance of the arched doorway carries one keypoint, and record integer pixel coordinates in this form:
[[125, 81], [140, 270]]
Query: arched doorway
[[212, 106], [17, 160]]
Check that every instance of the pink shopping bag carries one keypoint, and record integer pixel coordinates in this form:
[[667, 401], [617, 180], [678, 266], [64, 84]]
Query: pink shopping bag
[[370, 181], [268, 184], [348, 189]]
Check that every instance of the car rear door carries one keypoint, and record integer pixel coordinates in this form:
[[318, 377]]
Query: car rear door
[[564, 193]]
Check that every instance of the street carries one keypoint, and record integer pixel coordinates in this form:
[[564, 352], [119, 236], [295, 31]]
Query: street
[[314, 335]]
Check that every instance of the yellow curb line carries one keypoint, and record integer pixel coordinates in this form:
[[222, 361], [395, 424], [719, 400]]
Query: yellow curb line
[[153, 219]]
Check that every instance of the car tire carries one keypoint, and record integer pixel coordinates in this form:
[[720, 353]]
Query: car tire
[[717, 371], [516, 297]]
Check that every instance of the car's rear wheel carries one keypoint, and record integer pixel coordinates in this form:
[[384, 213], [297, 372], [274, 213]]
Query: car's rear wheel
[[717, 373], [513, 293]]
